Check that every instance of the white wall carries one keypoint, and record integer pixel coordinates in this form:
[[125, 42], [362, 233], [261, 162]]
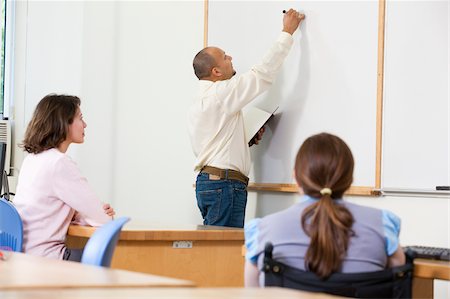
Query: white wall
[[130, 62]]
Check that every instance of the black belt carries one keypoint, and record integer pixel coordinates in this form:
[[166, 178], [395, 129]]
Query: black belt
[[225, 174]]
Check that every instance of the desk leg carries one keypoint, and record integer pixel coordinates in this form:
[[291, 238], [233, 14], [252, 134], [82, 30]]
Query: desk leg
[[422, 288]]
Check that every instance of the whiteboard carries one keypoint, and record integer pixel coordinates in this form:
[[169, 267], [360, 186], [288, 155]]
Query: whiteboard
[[328, 82], [416, 133]]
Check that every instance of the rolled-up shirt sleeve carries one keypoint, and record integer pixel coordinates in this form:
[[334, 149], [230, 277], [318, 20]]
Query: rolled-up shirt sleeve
[[251, 231], [391, 226]]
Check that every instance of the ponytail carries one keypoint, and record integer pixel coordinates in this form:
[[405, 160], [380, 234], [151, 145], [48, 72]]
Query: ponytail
[[329, 227], [324, 170]]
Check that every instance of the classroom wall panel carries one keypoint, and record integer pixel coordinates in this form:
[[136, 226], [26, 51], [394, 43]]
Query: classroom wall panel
[[68, 49], [154, 169], [416, 126], [328, 83], [131, 64]]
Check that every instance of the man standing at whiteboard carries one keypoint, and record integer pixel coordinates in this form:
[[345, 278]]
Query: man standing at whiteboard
[[216, 125]]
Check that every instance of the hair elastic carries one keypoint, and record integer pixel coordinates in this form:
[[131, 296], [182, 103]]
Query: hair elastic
[[326, 191]]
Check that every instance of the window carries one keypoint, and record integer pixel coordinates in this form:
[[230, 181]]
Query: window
[[6, 58], [2, 58]]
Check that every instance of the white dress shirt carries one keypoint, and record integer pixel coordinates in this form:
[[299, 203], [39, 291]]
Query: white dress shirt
[[216, 124]]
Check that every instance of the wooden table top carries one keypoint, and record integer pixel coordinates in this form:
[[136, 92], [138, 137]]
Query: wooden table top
[[184, 293], [139, 231], [22, 271], [425, 268]]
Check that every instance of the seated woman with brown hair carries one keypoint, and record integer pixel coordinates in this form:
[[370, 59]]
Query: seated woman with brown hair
[[51, 192], [322, 233]]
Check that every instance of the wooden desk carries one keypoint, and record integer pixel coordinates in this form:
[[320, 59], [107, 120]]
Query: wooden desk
[[214, 260], [22, 271], [191, 293], [425, 271]]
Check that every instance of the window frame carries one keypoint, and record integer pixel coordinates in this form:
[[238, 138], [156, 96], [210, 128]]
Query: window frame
[[8, 63]]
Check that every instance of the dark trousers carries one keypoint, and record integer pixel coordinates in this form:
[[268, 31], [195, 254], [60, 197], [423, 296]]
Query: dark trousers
[[73, 255]]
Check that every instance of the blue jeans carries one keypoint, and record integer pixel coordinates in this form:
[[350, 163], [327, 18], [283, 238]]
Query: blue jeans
[[221, 202]]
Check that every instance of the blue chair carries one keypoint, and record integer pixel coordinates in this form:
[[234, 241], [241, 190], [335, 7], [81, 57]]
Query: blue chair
[[100, 247], [11, 229]]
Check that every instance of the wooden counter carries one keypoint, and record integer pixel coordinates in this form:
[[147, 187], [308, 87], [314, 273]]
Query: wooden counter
[[216, 257], [425, 272], [210, 256]]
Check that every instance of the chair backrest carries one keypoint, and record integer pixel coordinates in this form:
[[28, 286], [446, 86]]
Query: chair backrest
[[100, 247], [11, 228], [389, 283]]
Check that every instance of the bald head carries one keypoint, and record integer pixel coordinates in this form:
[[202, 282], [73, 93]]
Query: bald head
[[213, 64], [204, 62]]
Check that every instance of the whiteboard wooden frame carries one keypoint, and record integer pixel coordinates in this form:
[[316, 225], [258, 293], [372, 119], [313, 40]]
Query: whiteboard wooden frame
[[354, 190]]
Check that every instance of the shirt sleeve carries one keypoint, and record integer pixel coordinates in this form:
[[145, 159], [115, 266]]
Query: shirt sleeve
[[73, 189], [242, 89], [78, 219], [251, 230], [391, 226]]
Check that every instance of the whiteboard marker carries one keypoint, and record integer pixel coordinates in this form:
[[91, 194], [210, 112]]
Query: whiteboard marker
[[443, 188], [301, 16]]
